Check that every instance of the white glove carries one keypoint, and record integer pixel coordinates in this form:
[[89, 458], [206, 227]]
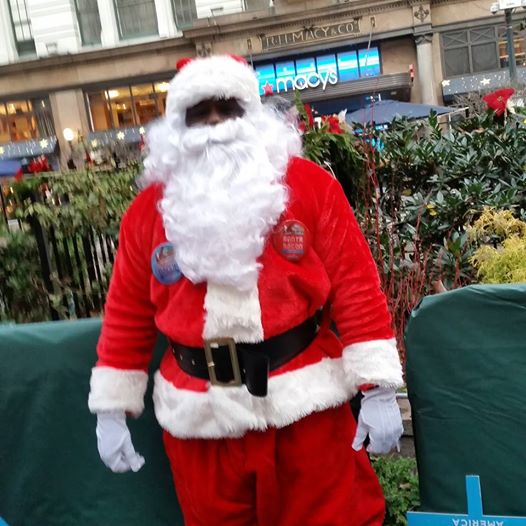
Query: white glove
[[114, 443], [379, 418]]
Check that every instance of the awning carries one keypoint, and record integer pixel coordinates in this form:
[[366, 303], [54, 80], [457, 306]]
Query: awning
[[386, 111], [28, 149], [10, 168]]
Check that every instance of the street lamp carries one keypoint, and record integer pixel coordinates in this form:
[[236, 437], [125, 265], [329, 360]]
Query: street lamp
[[69, 135], [508, 6]]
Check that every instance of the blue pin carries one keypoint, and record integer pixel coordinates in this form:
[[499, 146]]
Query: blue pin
[[164, 266], [474, 517]]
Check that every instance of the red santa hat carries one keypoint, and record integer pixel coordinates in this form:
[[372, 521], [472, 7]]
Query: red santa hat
[[220, 77]]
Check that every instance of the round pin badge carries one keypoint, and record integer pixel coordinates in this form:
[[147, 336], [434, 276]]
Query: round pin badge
[[291, 239], [164, 267]]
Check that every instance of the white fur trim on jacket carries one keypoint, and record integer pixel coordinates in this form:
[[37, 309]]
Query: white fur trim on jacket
[[117, 389], [232, 313], [374, 362], [217, 76], [231, 411]]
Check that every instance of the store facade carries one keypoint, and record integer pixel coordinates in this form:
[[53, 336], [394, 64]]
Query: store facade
[[335, 54]]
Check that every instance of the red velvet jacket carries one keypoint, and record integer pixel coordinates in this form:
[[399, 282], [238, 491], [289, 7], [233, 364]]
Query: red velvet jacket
[[338, 268]]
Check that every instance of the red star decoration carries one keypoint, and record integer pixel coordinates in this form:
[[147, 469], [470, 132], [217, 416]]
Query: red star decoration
[[268, 89]]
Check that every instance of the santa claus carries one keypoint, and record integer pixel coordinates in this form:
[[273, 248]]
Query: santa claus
[[231, 250]]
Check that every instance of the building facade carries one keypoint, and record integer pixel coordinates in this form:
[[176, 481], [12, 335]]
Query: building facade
[[101, 67]]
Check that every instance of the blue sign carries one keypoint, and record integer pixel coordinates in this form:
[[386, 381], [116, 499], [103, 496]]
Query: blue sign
[[474, 517], [318, 70], [348, 66], [369, 60]]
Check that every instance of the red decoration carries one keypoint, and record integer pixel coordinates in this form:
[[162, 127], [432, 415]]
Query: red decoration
[[39, 164], [268, 89], [333, 123], [142, 143], [310, 115], [19, 175], [498, 100]]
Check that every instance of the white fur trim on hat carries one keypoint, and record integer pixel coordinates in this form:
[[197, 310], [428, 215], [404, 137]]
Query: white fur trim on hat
[[231, 411], [218, 76], [374, 362], [117, 389]]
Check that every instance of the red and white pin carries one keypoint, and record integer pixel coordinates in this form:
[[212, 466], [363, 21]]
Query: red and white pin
[[292, 239]]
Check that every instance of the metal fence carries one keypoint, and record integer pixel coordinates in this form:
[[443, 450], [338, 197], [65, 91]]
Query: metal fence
[[73, 268]]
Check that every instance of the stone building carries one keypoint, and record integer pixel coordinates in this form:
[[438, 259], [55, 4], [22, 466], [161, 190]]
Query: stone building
[[101, 67]]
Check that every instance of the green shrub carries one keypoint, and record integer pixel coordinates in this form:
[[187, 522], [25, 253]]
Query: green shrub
[[23, 296], [399, 480]]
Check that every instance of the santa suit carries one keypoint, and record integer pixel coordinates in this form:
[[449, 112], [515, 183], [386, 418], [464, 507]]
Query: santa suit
[[304, 420]]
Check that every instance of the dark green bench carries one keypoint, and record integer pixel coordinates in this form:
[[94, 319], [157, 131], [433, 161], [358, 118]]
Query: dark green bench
[[466, 376], [50, 471]]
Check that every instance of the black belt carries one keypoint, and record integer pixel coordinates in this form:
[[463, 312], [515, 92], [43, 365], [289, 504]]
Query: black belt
[[227, 363]]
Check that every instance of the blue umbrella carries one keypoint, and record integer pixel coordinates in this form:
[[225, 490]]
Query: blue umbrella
[[9, 168], [385, 111]]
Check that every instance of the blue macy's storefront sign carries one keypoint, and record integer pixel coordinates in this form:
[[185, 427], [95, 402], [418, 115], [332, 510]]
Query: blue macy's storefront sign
[[474, 517], [318, 70]]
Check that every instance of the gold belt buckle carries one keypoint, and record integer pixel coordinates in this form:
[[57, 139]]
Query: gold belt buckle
[[215, 343]]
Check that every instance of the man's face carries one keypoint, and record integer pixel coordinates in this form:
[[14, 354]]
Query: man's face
[[213, 111]]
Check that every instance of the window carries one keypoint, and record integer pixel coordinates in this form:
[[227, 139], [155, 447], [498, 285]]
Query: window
[[120, 107], [184, 13], [348, 66], [136, 18], [21, 120], [89, 21], [479, 49], [369, 61], [25, 44], [518, 43]]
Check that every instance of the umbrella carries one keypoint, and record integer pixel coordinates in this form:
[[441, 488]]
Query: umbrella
[[386, 111]]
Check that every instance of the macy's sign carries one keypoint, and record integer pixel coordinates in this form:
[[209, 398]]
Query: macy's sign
[[309, 80]]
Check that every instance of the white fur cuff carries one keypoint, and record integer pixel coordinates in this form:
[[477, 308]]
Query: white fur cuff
[[374, 362], [117, 389]]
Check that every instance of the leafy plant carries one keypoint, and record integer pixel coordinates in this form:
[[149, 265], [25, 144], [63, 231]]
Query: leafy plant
[[80, 215], [23, 297], [399, 480]]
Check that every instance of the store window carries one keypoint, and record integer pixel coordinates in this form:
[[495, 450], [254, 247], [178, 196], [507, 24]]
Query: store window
[[22, 120], [21, 23], [89, 21], [184, 13], [124, 106], [319, 70], [136, 18], [479, 49], [519, 47]]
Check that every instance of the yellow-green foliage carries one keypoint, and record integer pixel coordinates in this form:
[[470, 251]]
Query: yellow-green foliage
[[507, 262], [496, 223]]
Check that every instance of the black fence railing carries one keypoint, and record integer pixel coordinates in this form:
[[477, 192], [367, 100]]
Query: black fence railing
[[75, 270], [58, 240]]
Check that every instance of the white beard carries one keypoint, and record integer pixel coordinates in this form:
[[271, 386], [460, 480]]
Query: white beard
[[220, 204], [223, 194]]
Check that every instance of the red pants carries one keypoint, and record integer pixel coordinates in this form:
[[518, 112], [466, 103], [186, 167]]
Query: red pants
[[305, 474]]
